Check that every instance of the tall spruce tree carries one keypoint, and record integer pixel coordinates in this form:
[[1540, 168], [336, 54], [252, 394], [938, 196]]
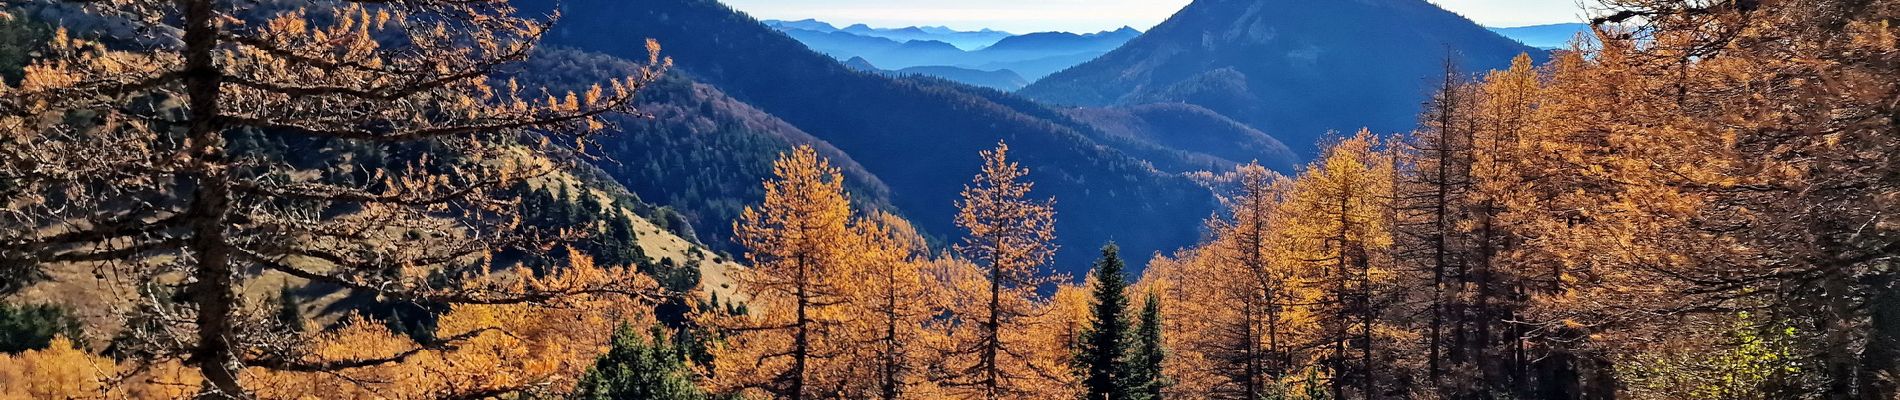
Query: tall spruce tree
[[643, 367], [1104, 350], [1145, 378]]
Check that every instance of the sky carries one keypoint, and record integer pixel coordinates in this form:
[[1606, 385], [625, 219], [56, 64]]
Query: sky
[[1023, 16]]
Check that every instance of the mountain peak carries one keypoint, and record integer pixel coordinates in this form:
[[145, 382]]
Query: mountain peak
[[803, 24], [861, 64], [1295, 72]]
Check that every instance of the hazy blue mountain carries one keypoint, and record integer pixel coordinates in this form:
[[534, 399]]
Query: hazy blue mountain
[[861, 64], [1553, 36], [805, 24], [1039, 67], [1031, 56], [919, 136], [1064, 41], [1004, 80], [968, 40], [1293, 69], [842, 45]]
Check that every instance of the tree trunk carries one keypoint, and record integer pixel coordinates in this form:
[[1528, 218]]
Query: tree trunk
[[1837, 358], [1880, 363], [891, 367], [213, 289], [994, 340], [801, 342]]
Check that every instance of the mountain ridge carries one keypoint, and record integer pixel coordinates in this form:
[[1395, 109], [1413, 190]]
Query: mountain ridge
[[1291, 69], [1031, 55]]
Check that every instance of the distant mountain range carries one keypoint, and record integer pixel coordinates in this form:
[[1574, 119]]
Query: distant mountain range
[[911, 141], [967, 40], [982, 58], [1553, 36], [1004, 80], [1293, 69]]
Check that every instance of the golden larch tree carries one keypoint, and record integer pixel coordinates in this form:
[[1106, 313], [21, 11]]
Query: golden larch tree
[[1246, 267], [892, 302], [148, 156], [1010, 235], [1339, 223], [800, 247]]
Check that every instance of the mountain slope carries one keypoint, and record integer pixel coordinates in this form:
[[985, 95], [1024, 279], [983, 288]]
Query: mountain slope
[[1180, 137], [700, 151], [920, 136], [1294, 69], [1004, 80]]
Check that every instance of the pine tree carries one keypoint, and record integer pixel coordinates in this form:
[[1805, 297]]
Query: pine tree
[[639, 367], [1105, 345], [288, 314], [1146, 378]]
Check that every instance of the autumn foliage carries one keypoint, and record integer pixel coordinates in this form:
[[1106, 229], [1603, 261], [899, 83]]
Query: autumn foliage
[[1696, 201]]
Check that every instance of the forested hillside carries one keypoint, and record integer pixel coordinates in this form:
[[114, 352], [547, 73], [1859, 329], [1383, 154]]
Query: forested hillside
[[914, 134], [695, 149], [1185, 138]]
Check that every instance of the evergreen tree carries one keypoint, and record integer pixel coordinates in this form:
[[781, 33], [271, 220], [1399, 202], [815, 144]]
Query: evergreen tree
[[649, 367], [287, 312], [1145, 378], [33, 327], [562, 214], [587, 205], [619, 245], [1104, 347]]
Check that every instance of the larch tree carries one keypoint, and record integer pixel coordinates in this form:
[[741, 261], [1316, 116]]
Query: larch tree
[[1763, 137], [1010, 236], [526, 349], [1340, 224], [1505, 184], [893, 302], [1431, 204], [163, 159], [799, 246], [1247, 267]]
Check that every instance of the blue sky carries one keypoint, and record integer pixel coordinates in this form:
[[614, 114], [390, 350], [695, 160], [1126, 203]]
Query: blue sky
[[1022, 16]]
